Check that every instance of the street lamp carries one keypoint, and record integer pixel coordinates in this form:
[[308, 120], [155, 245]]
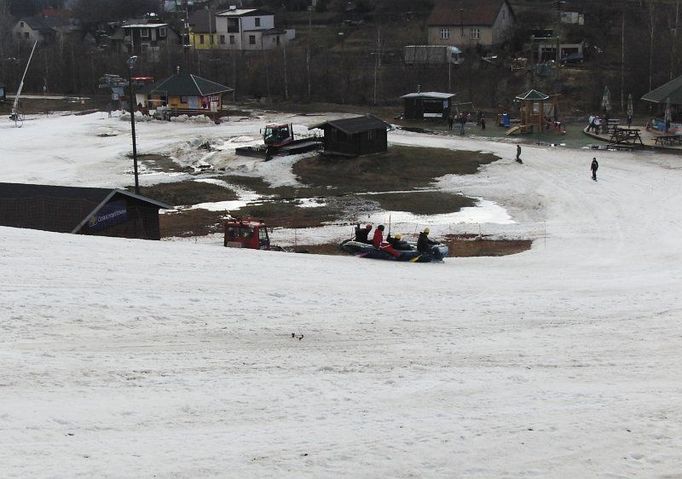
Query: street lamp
[[131, 64]]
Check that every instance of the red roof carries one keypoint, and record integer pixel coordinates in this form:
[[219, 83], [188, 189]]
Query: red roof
[[465, 12]]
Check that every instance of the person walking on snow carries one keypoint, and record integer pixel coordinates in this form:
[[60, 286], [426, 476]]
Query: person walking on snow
[[518, 154], [594, 167]]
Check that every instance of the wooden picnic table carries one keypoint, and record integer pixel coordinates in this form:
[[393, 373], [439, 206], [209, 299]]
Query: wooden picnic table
[[625, 136], [668, 140]]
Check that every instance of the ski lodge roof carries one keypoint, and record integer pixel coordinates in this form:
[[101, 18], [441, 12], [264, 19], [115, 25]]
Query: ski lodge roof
[[351, 126], [532, 95], [672, 90], [187, 84], [434, 95]]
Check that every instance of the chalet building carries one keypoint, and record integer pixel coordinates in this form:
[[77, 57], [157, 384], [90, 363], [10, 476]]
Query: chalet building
[[361, 135], [429, 104], [90, 211], [249, 29], [187, 93], [468, 23], [145, 38]]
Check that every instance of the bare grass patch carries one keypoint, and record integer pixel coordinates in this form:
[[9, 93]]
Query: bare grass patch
[[423, 203], [400, 168], [188, 193]]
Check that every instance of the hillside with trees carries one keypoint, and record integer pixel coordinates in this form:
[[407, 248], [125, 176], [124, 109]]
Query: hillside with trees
[[352, 52]]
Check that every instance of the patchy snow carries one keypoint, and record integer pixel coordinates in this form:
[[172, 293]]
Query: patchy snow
[[125, 358]]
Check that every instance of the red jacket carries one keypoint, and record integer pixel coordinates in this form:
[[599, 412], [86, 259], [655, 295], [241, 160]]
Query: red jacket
[[378, 238]]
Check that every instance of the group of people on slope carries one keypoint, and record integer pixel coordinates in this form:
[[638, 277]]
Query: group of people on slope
[[393, 245]]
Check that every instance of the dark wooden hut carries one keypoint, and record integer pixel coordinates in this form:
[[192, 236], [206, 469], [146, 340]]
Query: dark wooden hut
[[361, 135], [91, 211], [429, 104]]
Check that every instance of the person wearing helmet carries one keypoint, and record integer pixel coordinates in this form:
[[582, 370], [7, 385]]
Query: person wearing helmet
[[424, 243], [398, 243], [362, 234], [379, 243]]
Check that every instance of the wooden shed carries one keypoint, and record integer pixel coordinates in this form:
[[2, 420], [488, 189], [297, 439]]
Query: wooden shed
[[361, 135], [430, 104], [91, 211]]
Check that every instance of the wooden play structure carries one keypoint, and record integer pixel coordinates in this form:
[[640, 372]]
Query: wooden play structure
[[538, 112]]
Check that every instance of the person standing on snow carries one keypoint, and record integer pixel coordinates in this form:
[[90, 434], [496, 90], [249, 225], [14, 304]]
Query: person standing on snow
[[518, 154], [594, 167]]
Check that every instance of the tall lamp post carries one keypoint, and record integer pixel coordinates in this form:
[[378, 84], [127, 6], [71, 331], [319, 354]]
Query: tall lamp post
[[131, 64]]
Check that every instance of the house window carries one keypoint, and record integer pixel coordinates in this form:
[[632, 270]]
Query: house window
[[475, 33], [252, 39], [222, 39], [26, 35], [21, 24], [257, 22], [232, 25], [144, 32], [162, 32], [184, 99], [277, 39], [232, 40], [201, 39], [444, 33]]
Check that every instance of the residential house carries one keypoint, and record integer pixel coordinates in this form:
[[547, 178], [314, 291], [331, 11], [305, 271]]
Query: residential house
[[77, 210], [360, 135], [468, 23], [250, 29], [146, 38], [202, 30], [44, 29]]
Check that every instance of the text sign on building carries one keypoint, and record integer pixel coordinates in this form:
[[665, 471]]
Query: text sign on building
[[110, 214]]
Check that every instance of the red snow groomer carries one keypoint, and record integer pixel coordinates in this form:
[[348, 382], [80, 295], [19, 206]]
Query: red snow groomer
[[246, 233]]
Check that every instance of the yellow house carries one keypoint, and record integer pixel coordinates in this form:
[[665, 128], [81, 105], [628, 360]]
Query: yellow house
[[202, 31]]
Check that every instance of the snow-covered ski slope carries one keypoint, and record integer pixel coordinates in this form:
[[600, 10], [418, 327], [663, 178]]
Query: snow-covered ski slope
[[172, 359]]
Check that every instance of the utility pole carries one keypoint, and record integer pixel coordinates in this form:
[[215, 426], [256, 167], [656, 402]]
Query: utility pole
[[131, 64], [286, 80], [622, 62], [651, 44], [673, 50], [377, 63], [307, 52]]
